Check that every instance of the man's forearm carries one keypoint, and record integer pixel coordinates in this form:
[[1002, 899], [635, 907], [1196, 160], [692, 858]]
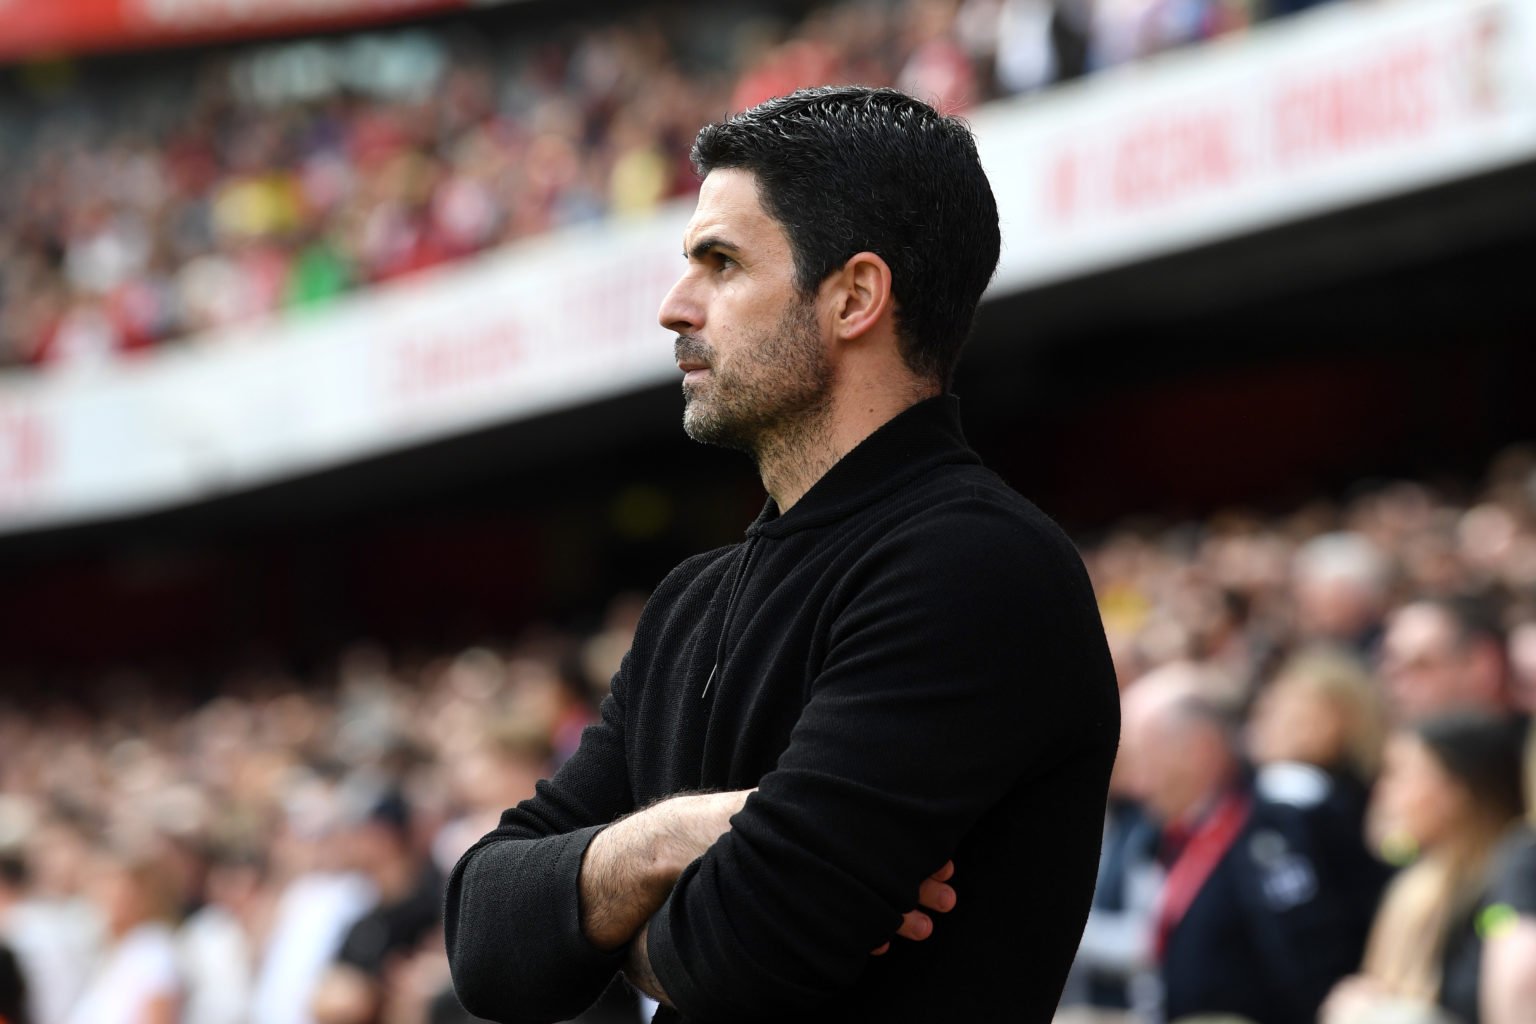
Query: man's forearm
[[625, 877], [934, 896], [630, 867]]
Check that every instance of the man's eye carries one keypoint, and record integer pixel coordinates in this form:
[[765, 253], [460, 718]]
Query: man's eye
[[723, 262]]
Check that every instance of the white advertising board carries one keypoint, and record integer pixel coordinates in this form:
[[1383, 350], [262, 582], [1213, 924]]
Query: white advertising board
[[554, 323]]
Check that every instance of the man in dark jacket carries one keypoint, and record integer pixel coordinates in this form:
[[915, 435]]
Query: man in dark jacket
[[1269, 891], [893, 700]]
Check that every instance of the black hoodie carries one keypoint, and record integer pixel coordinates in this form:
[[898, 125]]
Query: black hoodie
[[909, 665]]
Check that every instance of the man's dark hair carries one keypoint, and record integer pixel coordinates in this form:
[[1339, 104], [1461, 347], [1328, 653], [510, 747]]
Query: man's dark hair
[[851, 169]]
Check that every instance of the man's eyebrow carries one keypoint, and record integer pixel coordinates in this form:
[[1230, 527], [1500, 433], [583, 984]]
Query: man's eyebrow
[[704, 246]]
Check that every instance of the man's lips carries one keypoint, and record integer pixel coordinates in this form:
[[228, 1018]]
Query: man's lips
[[692, 356]]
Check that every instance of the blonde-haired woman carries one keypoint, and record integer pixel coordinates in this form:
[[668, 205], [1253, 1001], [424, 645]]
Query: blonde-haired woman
[[1451, 790], [138, 980], [1315, 737], [1322, 709]]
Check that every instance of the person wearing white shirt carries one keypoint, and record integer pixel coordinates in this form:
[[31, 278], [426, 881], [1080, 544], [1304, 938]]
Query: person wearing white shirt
[[137, 981]]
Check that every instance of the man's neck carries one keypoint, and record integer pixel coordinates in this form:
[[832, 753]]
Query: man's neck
[[793, 460]]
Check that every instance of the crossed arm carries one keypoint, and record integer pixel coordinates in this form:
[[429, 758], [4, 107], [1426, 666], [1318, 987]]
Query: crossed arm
[[630, 868]]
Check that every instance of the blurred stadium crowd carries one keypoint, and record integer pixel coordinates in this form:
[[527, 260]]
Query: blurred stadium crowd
[[1310, 701], [278, 853], [222, 187], [1317, 808]]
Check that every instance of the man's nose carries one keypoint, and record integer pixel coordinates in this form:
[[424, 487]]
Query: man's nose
[[680, 310]]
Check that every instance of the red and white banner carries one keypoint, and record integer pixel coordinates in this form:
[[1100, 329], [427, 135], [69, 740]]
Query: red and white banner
[[66, 27], [26, 456], [1318, 112]]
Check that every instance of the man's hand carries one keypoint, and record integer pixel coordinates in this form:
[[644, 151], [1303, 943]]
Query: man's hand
[[639, 973], [631, 866], [934, 894]]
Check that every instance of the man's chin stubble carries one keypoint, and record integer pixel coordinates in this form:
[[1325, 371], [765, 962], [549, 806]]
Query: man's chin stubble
[[709, 429]]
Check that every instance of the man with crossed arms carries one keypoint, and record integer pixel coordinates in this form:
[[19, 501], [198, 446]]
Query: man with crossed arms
[[893, 699]]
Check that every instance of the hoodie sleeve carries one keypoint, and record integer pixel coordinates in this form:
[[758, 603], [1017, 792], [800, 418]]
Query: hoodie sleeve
[[512, 918]]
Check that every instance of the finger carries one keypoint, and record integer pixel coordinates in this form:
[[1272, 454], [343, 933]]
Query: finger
[[915, 925], [936, 896], [881, 950], [944, 873]]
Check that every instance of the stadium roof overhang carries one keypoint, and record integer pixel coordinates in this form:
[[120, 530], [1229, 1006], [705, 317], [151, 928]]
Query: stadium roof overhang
[[71, 27]]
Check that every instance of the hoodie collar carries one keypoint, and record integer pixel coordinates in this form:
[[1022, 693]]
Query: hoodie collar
[[905, 447]]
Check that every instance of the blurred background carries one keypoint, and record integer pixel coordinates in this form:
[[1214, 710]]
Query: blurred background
[[339, 449]]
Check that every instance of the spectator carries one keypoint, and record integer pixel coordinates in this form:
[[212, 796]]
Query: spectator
[[217, 957], [48, 923], [139, 981], [320, 898], [15, 997], [409, 908], [497, 772], [1323, 710], [1522, 666], [1443, 654], [14, 1003], [1508, 979], [1342, 583], [1451, 790], [1035, 43], [1251, 922], [1316, 735], [937, 70], [1116, 963]]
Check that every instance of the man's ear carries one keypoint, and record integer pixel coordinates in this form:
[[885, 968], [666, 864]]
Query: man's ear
[[861, 296]]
